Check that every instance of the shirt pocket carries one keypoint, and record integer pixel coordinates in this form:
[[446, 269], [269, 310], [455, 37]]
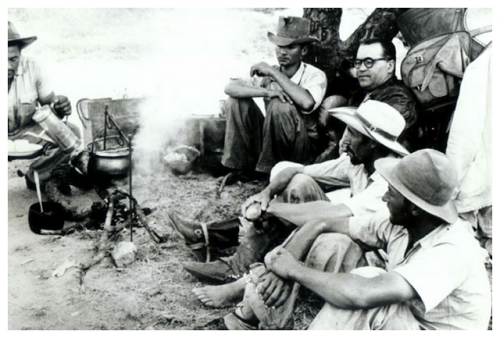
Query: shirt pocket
[[27, 107]]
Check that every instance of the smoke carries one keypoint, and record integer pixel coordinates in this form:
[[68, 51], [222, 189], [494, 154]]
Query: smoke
[[196, 53]]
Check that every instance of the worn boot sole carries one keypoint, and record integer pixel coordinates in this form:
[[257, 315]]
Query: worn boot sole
[[216, 272]]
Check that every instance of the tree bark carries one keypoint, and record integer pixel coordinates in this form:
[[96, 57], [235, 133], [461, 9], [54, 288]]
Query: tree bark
[[331, 52]]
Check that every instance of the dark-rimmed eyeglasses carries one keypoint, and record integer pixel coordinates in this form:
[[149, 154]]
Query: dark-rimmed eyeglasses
[[368, 62]]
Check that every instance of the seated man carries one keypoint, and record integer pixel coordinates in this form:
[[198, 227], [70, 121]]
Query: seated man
[[27, 89], [375, 66], [292, 92], [435, 276], [371, 134]]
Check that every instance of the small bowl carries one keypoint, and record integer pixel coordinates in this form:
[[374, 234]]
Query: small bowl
[[183, 167], [52, 217]]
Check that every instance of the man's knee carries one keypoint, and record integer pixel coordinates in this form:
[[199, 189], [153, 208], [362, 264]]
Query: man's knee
[[277, 110], [334, 252], [280, 166], [233, 103]]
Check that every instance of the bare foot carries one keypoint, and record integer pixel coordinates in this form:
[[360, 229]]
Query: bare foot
[[221, 296]]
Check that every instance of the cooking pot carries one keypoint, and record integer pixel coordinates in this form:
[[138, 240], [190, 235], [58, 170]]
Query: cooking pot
[[52, 217], [109, 164]]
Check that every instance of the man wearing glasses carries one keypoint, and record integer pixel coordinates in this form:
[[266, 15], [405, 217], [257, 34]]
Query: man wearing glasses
[[375, 65]]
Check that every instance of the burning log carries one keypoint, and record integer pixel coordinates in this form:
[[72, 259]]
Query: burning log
[[103, 249]]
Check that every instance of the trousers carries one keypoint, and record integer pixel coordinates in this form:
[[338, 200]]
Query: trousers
[[333, 253], [257, 242], [254, 142]]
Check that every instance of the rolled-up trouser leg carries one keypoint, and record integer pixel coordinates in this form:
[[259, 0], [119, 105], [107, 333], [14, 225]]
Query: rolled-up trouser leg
[[285, 137], [243, 138]]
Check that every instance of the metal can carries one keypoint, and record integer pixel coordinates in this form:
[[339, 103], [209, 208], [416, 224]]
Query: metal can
[[58, 131]]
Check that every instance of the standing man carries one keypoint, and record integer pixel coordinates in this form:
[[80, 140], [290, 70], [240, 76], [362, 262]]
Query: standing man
[[292, 92], [470, 147], [435, 276], [28, 88]]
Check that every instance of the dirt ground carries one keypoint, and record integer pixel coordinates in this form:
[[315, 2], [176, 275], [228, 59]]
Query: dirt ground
[[152, 293]]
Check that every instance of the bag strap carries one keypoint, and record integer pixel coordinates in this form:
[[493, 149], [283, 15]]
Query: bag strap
[[480, 30]]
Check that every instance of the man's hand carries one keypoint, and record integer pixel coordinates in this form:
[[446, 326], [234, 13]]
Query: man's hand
[[62, 106], [275, 90], [262, 198], [262, 69], [281, 262], [274, 290]]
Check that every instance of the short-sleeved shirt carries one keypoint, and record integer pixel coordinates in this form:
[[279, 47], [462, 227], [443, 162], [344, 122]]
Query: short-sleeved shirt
[[366, 190], [446, 269], [28, 86], [307, 76]]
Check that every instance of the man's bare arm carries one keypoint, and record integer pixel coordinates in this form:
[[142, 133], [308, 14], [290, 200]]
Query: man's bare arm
[[302, 241], [299, 95], [277, 185], [240, 89], [300, 214], [342, 290]]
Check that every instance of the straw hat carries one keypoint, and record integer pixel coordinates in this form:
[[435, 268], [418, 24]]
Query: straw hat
[[16, 39], [377, 120], [292, 30], [427, 178]]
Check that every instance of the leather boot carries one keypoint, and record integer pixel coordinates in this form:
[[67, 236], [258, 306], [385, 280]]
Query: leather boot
[[218, 234], [253, 247]]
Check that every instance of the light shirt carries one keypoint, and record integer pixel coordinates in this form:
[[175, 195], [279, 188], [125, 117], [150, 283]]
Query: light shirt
[[28, 86], [307, 76], [366, 190], [446, 269]]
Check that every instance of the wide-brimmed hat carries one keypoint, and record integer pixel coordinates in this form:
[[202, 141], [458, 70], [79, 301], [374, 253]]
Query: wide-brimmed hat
[[16, 39], [377, 120], [292, 30], [427, 178]]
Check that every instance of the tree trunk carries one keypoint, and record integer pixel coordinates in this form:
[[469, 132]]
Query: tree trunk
[[333, 55]]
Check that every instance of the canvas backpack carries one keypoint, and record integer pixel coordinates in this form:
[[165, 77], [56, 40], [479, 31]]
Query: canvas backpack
[[434, 66]]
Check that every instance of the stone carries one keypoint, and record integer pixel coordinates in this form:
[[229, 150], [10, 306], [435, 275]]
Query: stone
[[124, 253]]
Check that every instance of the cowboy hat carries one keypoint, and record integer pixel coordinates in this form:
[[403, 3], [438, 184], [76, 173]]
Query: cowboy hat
[[292, 30], [376, 120], [16, 39], [427, 178]]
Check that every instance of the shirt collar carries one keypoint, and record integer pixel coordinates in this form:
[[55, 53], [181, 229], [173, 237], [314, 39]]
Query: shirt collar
[[21, 67], [298, 74], [432, 237]]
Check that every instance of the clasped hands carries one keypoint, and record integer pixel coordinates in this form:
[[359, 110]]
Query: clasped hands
[[274, 89], [275, 287]]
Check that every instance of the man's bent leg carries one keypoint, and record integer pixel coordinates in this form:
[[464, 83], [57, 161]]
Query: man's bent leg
[[285, 137], [244, 130], [335, 253], [47, 162], [392, 317], [330, 252]]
